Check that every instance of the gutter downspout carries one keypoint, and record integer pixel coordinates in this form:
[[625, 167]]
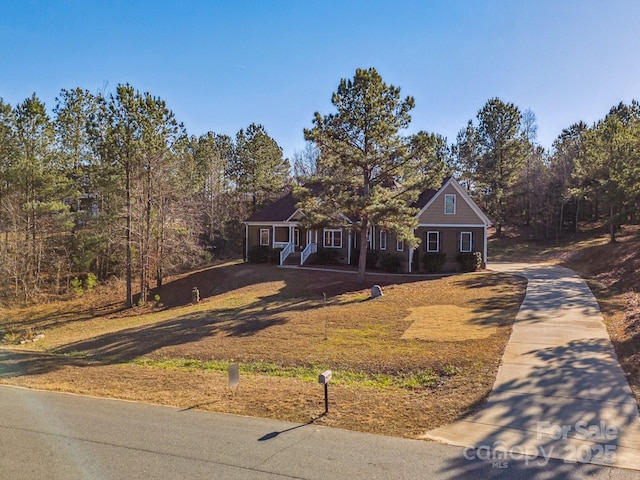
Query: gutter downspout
[[246, 242]]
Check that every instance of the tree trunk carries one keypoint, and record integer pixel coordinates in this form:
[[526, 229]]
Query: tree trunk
[[612, 226], [128, 274], [362, 259]]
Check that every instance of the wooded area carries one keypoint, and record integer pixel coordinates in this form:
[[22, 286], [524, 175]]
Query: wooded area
[[112, 185]]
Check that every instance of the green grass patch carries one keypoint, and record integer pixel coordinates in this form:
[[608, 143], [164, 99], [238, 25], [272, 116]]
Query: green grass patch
[[410, 380]]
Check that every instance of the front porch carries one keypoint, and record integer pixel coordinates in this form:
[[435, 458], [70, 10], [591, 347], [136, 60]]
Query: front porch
[[289, 238]]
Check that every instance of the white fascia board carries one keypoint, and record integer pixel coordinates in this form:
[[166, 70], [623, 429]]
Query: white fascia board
[[294, 214], [349, 221], [437, 194], [466, 197], [454, 225], [274, 224], [470, 202]]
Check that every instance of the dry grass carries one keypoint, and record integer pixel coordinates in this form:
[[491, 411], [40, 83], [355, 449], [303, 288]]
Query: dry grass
[[445, 323], [283, 327]]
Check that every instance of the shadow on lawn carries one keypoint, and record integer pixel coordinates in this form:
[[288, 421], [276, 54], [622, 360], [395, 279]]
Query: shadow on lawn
[[49, 319], [298, 290], [126, 345], [300, 283], [17, 363]]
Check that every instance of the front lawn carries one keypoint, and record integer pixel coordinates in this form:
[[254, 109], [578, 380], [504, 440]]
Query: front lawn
[[418, 357]]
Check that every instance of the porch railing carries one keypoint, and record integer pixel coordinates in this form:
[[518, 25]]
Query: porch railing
[[285, 252], [308, 250]]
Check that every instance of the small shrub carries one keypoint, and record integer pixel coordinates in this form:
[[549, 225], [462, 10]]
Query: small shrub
[[450, 371], [433, 261], [355, 256], [470, 262], [76, 286], [372, 259], [258, 254], [390, 263], [274, 255], [326, 256], [90, 282]]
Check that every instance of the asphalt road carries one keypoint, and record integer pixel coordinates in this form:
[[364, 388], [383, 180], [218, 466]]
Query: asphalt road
[[47, 435]]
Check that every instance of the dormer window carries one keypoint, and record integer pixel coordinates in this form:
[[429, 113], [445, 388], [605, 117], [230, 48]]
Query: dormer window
[[450, 204]]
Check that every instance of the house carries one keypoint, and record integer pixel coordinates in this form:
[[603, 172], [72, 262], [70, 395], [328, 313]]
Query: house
[[449, 222]]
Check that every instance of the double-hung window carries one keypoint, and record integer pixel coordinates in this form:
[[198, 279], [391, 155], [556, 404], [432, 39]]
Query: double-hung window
[[399, 245], [450, 204], [332, 238], [383, 240], [432, 241], [264, 236], [466, 242]]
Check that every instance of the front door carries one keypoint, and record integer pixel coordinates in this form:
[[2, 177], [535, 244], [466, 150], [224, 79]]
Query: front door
[[296, 237]]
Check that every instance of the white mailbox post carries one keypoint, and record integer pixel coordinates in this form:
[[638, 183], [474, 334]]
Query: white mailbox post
[[323, 379]]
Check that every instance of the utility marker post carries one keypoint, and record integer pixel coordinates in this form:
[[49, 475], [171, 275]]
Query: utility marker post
[[234, 376], [323, 379]]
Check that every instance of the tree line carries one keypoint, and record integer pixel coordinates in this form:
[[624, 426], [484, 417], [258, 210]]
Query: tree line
[[589, 174], [112, 184]]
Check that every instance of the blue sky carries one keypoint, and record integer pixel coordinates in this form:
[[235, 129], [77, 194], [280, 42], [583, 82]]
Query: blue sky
[[221, 65]]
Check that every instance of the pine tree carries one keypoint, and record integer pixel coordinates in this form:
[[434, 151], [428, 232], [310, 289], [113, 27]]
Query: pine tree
[[368, 169]]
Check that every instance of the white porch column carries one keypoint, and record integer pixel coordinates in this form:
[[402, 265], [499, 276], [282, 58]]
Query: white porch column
[[485, 245], [349, 248]]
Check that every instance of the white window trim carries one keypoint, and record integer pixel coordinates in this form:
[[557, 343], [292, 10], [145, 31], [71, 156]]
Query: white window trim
[[470, 234], [370, 238], [450, 195], [437, 241], [332, 231], [262, 230], [399, 245], [382, 244]]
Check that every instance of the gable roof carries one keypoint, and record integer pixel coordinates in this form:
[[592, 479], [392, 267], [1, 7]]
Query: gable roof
[[285, 208], [279, 211], [426, 196], [463, 194]]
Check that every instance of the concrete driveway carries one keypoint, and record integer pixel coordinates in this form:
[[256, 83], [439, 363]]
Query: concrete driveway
[[560, 391]]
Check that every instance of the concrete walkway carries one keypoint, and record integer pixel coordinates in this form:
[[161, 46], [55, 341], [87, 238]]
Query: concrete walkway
[[560, 391]]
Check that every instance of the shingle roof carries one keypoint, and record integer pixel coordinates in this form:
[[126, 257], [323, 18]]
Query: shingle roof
[[281, 210], [278, 211], [424, 198], [428, 194]]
